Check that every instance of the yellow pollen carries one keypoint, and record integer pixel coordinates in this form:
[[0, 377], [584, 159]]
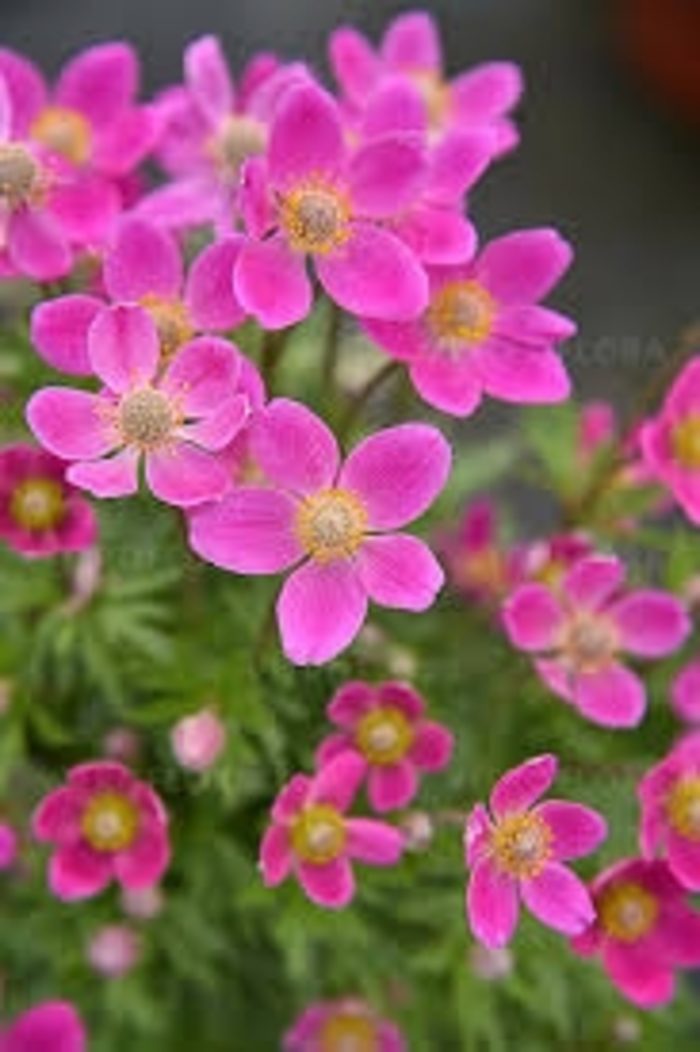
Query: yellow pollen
[[484, 569], [318, 834], [349, 1033], [461, 314], [315, 217], [436, 95], [384, 735], [521, 845], [64, 131], [146, 419], [38, 504], [238, 139], [172, 320], [627, 911], [588, 642], [19, 175], [110, 822], [682, 807], [685, 442], [331, 524]]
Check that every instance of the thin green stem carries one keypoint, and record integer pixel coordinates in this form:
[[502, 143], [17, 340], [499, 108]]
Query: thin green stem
[[331, 347], [363, 396], [271, 351]]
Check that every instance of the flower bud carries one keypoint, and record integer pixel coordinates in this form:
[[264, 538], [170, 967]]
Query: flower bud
[[198, 740]]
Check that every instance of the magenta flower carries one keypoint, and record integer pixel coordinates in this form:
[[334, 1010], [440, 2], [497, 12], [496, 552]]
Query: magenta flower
[[53, 1026], [483, 332], [547, 560], [519, 853], [312, 196], [477, 563], [643, 929], [685, 692], [336, 521], [670, 442], [106, 825], [311, 836], [9, 846], [40, 512], [344, 1025], [384, 725], [584, 625], [175, 421], [669, 794]]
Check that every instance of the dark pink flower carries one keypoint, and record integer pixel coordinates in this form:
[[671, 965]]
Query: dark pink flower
[[9, 845], [344, 1025], [669, 794], [312, 837], [670, 442], [584, 624], [384, 725], [476, 561], [40, 512], [105, 824], [685, 692], [333, 523], [643, 929], [53, 1026], [519, 853]]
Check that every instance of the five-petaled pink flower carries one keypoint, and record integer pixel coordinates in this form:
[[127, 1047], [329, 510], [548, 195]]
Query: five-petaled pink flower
[[53, 1026], [670, 442], [312, 837], [584, 624], [175, 420], [384, 725], [106, 824], [519, 853], [345, 1025], [336, 521], [669, 794], [643, 929]]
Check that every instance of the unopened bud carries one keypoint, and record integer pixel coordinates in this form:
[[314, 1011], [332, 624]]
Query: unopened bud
[[114, 950], [417, 828], [198, 740]]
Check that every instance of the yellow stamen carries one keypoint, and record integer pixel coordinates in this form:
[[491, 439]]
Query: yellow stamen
[[147, 419], [64, 131], [172, 320], [521, 845], [384, 735], [318, 834], [682, 807], [685, 442], [627, 911], [38, 504], [347, 1032], [110, 822], [331, 524], [589, 642], [238, 139], [461, 314], [315, 217], [20, 177]]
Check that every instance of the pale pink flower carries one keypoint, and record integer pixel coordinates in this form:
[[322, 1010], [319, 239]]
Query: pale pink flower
[[518, 853], [9, 846], [114, 950], [312, 838], [53, 1026], [475, 557], [643, 929], [106, 825], [344, 1025], [584, 624], [123, 744], [335, 523], [670, 441], [685, 692], [198, 740], [669, 795], [492, 964], [384, 725], [142, 903]]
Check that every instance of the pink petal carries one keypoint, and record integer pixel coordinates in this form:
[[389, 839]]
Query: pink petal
[[684, 860], [522, 374], [320, 611], [37, 247], [209, 293], [126, 142], [5, 110], [114, 477], [556, 675], [559, 899], [102, 776], [202, 375], [143, 261], [613, 697], [651, 623], [577, 830], [271, 283], [683, 399], [306, 137], [533, 325], [69, 423], [59, 331], [532, 617], [350, 702], [331, 884], [145, 863], [374, 275], [438, 236], [457, 161], [216, 430], [398, 473], [401, 696], [86, 208], [124, 347], [353, 60], [250, 531], [392, 787], [399, 571], [450, 384], [58, 816], [100, 82], [395, 106], [412, 43], [373, 842], [77, 872], [208, 79], [593, 580], [523, 266], [520, 787], [492, 905], [386, 176], [432, 747], [645, 981], [185, 475], [294, 448], [275, 856], [291, 799], [487, 90], [180, 205], [26, 89], [332, 746], [53, 1026], [678, 935], [337, 783], [477, 835], [685, 692]]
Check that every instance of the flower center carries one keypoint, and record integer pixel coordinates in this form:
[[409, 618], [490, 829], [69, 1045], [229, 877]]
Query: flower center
[[315, 218], [349, 1033], [64, 131], [627, 911], [238, 139], [318, 834], [521, 844], [331, 524], [483, 570], [146, 419], [384, 735], [460, 313], [589, 642], [683, 807], [685, 442], [110, 822], [19, 174], [38, 504], [172, 321]]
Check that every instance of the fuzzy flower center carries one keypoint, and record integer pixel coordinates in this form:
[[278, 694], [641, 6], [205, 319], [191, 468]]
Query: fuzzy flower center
[[110, 822], [172, 321], [461, 312], [384, 735], [683, 807], [685, 442], [349, 1033], [19, 174], [318, 834], [64, 131], [146, 419], [331, 524], [238, 139], [627, 911], [521, 844], [589, 642], [38, 504], [315, 217]]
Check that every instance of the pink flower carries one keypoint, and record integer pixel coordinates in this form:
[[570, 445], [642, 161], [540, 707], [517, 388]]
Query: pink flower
[[483, 331], [312, 196], [670, 442], [583, 625], [198, 740], [669, 794], [685, 692], [105, 824], [143, 266], [384, 725], [477, 564], [53, 1026], [175, 421], [519, 853], [114, 950], [40, 512], [643, 929], [311, 836], [9, 846], [343, 1025], [336, 521]]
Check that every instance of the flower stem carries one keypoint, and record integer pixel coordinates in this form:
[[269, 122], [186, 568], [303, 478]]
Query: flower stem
[[360, 400]]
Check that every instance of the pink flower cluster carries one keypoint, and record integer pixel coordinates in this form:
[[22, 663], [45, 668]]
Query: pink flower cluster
[[52, 1025]]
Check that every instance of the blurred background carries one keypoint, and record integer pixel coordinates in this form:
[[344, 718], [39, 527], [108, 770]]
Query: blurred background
[[610, 128]]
